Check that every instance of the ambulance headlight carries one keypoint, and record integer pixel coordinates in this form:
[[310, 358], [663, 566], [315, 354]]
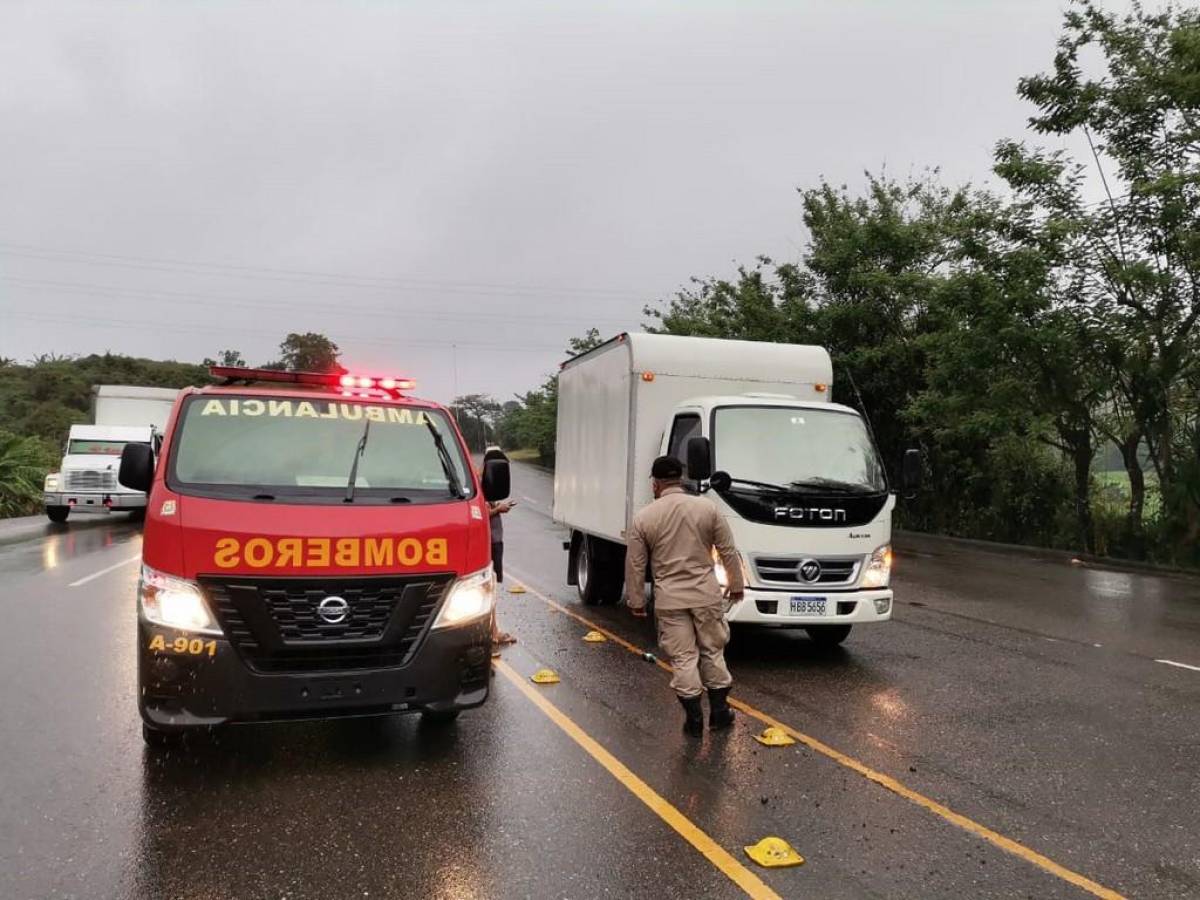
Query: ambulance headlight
[[174, 603], [52, 482], [471, 598], [879, 568]]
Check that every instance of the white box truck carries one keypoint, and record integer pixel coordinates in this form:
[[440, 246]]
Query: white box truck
[[87, 478], [797, 477]]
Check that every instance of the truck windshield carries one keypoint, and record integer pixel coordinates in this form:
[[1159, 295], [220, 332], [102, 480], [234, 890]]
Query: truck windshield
[[279, 448], [80, 447], [802, 449]]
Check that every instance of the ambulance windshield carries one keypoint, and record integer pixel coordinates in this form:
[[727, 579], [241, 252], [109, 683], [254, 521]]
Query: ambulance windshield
[[797, 448], [293, 448]]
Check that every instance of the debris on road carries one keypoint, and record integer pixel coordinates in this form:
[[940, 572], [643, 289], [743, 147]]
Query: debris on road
[[775, 737], [774, 853]]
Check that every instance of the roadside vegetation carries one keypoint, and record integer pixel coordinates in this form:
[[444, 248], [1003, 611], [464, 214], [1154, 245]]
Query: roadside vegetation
[[40, 401], [1022, 335]]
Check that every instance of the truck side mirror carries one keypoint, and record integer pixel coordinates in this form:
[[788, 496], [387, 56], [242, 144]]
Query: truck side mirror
[[137, 467], [497, 481], [911, 473], [699, 459]]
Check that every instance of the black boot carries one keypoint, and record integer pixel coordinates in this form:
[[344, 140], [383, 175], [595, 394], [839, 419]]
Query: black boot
[[694, 723], [719, 713]]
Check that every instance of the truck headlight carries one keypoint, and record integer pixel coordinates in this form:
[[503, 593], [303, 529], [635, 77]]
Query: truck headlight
[[879, 568], [471, 597], [722, 575], [174, 603], [52, 482]]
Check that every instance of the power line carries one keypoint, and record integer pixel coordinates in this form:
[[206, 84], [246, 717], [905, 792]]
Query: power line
[[309, 277], [293, 305], [142, 327]]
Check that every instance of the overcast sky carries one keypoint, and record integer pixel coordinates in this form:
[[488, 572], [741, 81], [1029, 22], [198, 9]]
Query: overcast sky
[[180, 178]]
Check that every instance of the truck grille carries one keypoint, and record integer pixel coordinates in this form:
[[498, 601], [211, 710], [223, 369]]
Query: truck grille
[[786, 570], [91, 480], [274, 626]]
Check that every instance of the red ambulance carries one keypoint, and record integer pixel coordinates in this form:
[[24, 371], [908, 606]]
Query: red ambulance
[[315, 546]]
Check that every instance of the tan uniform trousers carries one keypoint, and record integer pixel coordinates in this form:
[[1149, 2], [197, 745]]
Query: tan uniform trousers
[[695, 640]]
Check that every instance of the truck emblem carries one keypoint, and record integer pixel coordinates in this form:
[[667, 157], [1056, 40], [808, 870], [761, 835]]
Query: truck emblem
[[810, 513], [810, 570], [333, 609]]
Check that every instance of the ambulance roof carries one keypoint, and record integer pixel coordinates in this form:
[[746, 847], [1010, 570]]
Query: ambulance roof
[[308, 392]]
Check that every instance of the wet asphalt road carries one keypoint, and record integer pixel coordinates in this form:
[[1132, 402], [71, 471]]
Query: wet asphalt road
[[1022, 694]]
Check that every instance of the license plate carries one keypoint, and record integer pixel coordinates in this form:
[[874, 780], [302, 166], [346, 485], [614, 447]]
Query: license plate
[[808, 606]]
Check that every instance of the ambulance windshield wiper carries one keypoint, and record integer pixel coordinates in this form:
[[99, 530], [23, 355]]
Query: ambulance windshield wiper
[[358, 452], [447, 463]]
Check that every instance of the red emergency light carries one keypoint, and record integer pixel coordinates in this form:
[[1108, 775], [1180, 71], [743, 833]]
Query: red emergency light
[[233, 374]]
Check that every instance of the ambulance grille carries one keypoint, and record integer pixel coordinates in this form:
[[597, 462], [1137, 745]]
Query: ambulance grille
[[274, 625]]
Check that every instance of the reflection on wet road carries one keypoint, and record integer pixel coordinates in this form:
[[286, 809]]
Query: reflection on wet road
[[1020, 694]]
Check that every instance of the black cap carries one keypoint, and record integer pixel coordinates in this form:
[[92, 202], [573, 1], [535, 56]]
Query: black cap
[[667, 468]]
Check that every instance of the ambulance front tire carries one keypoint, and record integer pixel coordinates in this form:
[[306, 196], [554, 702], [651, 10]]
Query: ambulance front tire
[[828, 635], [58, 513], [439, 716], [160, 740]]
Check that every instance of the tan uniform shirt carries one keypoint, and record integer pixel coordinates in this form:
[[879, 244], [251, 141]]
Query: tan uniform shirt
[[677, 533]]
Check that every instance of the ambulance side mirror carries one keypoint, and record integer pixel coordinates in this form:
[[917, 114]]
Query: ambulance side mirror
[[699, 459], [496, 480], [137, 467], [911, 473]]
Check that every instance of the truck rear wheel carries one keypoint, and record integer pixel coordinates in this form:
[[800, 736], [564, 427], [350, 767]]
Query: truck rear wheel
[[587, 573], [58, 513], [827, 635]]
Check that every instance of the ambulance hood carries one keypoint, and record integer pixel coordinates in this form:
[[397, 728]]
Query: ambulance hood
[[267, 539]]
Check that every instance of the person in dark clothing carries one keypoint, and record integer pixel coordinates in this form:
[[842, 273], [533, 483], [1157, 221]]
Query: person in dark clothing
[[495, 511]]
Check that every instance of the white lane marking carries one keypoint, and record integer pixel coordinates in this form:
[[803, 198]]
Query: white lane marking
[[1171, 662], [111, 568]]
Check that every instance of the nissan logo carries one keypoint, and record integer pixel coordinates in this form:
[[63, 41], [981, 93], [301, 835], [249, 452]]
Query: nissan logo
[[333, 610], [810, 570]]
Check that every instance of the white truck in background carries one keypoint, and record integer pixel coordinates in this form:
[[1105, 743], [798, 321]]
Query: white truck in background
[[87, 478], [797, 477]]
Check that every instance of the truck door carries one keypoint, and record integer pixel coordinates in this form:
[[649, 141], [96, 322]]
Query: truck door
[[686, 425]]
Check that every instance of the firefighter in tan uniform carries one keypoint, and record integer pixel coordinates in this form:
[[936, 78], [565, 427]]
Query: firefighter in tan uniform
[[676, 534]]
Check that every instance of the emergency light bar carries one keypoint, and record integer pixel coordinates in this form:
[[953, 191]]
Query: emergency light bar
[[233, 374]]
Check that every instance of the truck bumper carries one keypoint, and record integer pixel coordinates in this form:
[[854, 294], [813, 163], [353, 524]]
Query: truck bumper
[[94, 502], [773, 607], [450, 671]]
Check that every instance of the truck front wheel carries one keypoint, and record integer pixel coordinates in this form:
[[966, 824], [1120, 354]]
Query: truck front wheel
[[58, 513], [827, 635]]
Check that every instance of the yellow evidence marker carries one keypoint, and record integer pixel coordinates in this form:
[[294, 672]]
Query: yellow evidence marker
[[774, 853], [544, 676], [775, 737], [594, 637], [516, 589]]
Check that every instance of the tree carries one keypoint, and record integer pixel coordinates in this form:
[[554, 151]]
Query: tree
[[532, 420], [1136, 254], [23, 465], [227, 358], [477, 415], [308, 352]]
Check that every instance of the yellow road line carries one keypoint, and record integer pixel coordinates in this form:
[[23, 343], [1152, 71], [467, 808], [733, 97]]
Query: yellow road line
[[886, 781], [712, 851]]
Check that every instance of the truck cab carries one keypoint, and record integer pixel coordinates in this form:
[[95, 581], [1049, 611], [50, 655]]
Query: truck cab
[[315, 546], [87, 477], [806, 495]]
